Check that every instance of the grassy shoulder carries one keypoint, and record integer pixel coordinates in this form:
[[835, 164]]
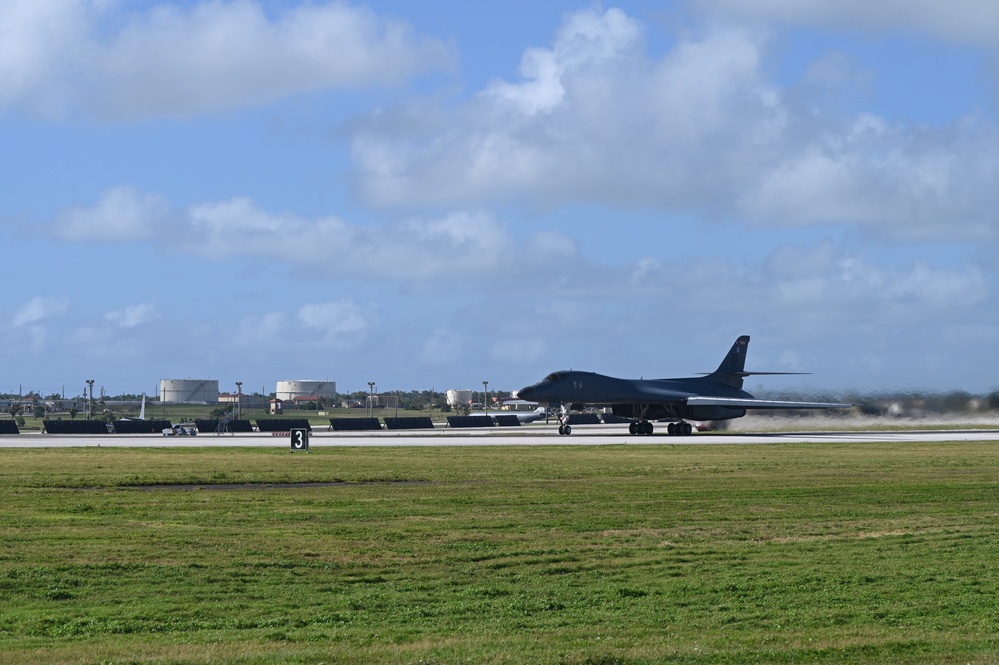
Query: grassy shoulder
[[627, 554]]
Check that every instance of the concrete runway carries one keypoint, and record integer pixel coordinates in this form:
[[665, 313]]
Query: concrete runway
[[534, 435]]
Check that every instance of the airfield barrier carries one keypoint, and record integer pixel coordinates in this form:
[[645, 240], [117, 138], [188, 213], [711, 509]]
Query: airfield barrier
[[469, 421], [354, 424], [282, 424], [8, 427], [507, 420], [140, 426], [584, 419], [75, 426], [412, 422], [211, 425]]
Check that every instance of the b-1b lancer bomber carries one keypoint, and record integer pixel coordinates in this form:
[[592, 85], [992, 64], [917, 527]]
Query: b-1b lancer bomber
[[715, 396]]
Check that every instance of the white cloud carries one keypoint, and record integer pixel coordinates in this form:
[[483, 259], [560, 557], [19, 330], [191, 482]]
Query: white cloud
[[601, 122], [340, 323], [133, 315], [596, 119], [35, 36], [60, 56], [123, 213], [586, 40], [29, 328], [460, 245], [38, 309]]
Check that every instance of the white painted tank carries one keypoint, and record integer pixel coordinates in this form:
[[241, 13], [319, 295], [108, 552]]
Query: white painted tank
[[289, 390], [189, 390], [456, 397]]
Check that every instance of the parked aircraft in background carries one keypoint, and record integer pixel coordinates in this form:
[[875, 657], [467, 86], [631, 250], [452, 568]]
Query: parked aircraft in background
[[523, 416], [716, 396], [142, 410]]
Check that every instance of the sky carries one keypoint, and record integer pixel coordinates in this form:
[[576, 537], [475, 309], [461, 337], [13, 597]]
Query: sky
[[433, 195]]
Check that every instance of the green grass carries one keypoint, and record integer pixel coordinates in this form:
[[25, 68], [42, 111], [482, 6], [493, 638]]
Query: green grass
[[614, 554]]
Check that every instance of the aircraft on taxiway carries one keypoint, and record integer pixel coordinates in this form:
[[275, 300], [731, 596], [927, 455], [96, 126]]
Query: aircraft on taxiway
[[716, 396], [523, 417]]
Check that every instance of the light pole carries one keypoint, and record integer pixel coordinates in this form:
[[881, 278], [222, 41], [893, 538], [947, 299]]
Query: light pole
[[90, 400], [485, 396], [371, 398], [239, 399]]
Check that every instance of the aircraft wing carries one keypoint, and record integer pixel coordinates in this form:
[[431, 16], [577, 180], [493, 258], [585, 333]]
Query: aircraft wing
[[743, 403]]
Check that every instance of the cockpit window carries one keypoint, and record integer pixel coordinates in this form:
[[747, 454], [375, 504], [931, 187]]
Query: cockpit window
[[554, 377]]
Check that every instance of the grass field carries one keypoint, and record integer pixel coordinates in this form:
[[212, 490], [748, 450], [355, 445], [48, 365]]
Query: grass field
[[611, 554]]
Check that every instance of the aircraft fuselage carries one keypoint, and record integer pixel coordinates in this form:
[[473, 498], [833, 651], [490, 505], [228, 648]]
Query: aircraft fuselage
[[640, 399]]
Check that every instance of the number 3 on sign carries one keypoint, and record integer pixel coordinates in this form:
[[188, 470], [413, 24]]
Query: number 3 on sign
[[300, 439]]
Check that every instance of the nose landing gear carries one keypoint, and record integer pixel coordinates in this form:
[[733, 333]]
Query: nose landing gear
[[564, 429]]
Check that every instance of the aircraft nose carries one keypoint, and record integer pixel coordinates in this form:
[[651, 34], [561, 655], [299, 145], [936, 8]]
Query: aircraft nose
[[524, 393]]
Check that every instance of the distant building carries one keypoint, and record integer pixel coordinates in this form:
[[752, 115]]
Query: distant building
[[456, 397]]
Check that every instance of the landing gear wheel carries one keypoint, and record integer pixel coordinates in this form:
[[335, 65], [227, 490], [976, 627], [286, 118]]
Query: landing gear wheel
[[680, 429], [633, 428], [647, 429], [568, 430]]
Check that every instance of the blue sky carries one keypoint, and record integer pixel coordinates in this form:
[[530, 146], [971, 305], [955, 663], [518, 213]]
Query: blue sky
[[429, 195]]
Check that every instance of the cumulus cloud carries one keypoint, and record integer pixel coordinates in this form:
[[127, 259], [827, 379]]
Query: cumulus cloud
[[826, 282], [596, 119], [38, 309], [62, 56], [586, 40], [133, 315], [29, 327], [462, 244], [122, 213]]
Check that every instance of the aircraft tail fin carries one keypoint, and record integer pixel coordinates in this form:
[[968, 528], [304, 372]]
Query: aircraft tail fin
[[142, 410], [731, 371]]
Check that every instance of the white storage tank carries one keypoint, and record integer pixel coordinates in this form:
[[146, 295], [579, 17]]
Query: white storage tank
[[189, 390], [456, 397], [289, 390]]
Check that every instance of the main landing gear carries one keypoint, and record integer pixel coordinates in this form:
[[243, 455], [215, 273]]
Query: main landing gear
[[673, 429], [644, 427], [679, 429]]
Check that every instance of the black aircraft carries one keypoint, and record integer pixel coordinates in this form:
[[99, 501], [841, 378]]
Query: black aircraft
[[715, 396]]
